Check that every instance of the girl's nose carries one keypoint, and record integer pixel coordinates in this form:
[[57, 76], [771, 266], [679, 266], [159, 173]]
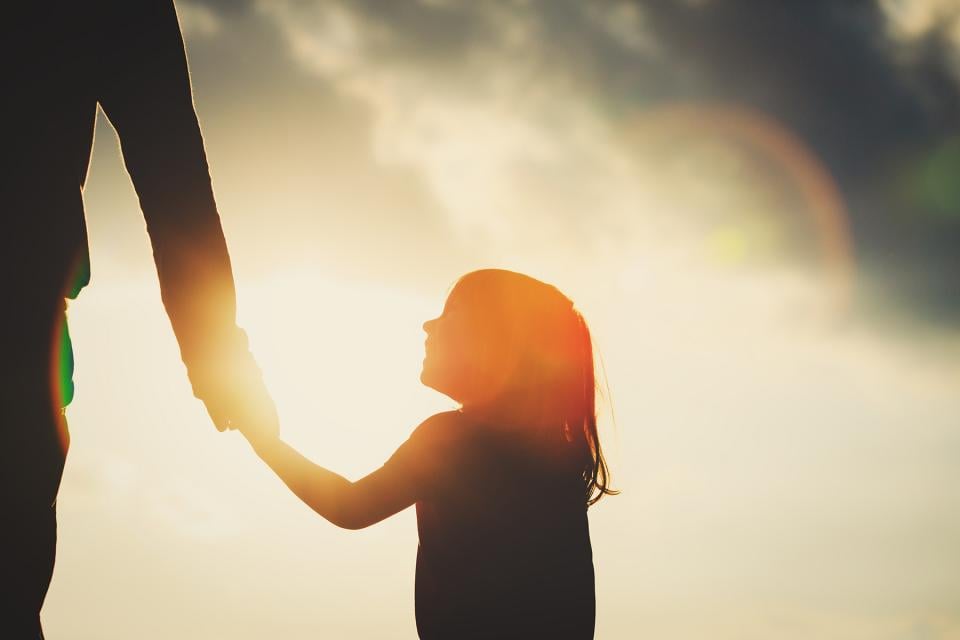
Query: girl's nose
[[428, 325]]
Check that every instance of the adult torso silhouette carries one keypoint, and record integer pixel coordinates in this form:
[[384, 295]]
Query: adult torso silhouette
[[59, 60], [49, 110]]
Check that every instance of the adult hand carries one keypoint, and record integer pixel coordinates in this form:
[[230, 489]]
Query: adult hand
[[232, 389]]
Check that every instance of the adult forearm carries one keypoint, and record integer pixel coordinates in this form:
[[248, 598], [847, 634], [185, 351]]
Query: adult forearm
[[196, 285], [170, 173], [144, 88]]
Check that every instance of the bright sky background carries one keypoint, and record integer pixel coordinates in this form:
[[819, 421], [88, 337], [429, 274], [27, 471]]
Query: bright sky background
[[788, 459]]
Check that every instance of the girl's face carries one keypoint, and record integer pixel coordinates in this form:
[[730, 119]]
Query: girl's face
[[456, 358]]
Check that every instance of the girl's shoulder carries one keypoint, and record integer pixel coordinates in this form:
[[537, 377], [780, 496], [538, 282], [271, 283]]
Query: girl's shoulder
[[440, 426], [433, 442]]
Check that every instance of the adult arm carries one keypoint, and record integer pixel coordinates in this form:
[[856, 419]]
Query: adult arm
[[145, 91]]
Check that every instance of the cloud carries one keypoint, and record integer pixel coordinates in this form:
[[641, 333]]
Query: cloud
[[198, 20], [877, 111], [480, 96], [921, 18], [464, 92], [292, 163]]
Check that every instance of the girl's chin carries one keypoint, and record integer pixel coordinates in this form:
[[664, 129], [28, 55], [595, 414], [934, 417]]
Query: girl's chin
[[430, 379]]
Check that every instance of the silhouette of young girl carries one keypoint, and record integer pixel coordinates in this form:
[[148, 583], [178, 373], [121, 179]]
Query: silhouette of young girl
[[501, 485]]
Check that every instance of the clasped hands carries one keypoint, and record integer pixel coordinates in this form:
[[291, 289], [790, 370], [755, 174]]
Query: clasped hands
[[231, 387]]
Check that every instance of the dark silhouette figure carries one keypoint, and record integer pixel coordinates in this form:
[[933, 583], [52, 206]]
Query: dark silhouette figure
[[60, 60], [502, 485]]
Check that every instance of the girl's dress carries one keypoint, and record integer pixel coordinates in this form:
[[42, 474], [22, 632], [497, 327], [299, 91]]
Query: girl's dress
[[504, 543]]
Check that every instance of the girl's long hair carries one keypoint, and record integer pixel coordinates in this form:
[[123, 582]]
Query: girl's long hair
[[540, 351]]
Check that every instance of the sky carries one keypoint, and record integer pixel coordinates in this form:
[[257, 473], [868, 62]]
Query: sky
[[753, 205]]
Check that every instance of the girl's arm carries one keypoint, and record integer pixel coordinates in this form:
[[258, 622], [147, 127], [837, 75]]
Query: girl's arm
[[350, 505]]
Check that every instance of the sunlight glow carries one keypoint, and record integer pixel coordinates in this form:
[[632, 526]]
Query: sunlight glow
[[343, 362]]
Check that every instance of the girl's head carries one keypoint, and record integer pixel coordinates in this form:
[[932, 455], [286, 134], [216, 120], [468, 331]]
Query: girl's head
[[516, 350]]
